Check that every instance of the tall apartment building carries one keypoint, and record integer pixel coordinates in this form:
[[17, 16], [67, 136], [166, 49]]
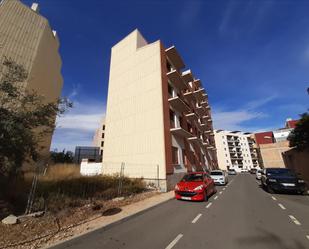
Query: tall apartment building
[[27, 39], [99, 136], [158, 116], [236, 150]]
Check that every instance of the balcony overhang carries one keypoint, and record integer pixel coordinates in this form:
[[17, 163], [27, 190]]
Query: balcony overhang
[[199, 94], [195, 140], [174, 57], [178, 104], [176, 80], [197, 83], [180, 132], [208, 131], [202, 127], [187, 76], [191, 116], [204, 103], [200, 111], [189, 96]]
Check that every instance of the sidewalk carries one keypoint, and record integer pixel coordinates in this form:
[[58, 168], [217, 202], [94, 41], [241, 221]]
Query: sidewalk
[[127, 212]]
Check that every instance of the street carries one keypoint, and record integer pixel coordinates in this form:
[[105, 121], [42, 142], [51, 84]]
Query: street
[[239, 215]]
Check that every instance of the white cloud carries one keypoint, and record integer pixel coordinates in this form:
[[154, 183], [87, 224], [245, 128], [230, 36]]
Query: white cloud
[[234, 120], [77, 127]]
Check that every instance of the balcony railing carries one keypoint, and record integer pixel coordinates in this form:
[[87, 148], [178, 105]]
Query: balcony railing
[[175, 78], [178, 104]]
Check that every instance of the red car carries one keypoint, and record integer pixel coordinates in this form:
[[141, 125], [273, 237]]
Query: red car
[[196, 186]]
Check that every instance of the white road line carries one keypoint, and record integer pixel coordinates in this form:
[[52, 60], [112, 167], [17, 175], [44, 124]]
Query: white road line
[[274, 198], [171, 245], [223, 189], [216, 197], [282, 207], [220, 192], [208, 205], [294, 220], [307, 236], [196, 218]]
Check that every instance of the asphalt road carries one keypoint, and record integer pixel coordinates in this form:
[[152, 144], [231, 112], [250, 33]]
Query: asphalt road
[[240, 215]]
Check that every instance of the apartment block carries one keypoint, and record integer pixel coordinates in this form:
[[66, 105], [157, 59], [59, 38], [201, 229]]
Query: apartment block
[[27, 38], [98, 139], [236, 150], [158, 118]]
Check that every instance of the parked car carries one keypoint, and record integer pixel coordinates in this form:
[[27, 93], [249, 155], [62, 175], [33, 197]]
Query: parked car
[[196, 186], [219, 177], [232, 172], [253, 171], [258, 174], [244, 171], [281, 179]]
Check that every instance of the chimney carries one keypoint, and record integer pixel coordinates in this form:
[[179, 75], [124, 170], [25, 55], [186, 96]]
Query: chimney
[[35, 7]]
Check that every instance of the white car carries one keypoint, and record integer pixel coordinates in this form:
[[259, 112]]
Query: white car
[[258, 174], [219, 177]]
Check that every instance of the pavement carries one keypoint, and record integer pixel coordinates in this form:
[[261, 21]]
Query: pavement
[[240, 215]]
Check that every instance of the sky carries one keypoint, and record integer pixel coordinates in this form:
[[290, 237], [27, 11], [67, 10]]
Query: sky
[[252, 56]]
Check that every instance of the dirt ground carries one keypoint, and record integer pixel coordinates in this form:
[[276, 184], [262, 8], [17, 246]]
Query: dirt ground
[[50, 228]]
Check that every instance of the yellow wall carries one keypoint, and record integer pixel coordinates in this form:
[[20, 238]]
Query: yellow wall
[[272, 154]]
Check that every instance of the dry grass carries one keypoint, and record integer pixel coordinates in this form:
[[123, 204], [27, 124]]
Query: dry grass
[[62, 171]]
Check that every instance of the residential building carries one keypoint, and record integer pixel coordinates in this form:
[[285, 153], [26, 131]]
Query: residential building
[[98, 139], [91, 153], [27, 38], [158, 119], [236, 150]]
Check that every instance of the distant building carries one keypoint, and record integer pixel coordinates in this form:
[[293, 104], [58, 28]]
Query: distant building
[[87, 152], [236, 150], [158, 117], [27, 38], [99, 136], [272, 144]]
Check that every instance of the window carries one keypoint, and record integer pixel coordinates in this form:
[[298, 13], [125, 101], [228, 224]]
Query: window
[[103, 127], [102, 135], [223, 137], [172, 119], [175, 155], [102, 144], [226, 155], [101, 153], [224, 148], [227, 161], [170, 91]]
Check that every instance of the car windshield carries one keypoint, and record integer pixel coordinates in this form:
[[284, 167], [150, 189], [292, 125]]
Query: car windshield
[[193, 178], [216, 173], [285, 172]]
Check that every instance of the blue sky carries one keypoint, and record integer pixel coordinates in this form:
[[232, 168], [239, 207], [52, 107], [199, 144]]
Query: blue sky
[[252, 56]]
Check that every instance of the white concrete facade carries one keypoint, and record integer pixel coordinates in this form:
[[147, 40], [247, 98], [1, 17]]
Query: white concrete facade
[[235, 150]]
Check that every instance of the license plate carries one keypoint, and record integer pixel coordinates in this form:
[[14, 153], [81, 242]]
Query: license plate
[[185, 198], [288, 184]]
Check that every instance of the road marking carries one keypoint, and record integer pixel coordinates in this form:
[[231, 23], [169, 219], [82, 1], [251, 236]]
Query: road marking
[[274, 198], [208, 205], [282, 207], [171, 245], [216, 197], [196, 218], [307, 236], [294, 220], [223, 189], [220, 192]]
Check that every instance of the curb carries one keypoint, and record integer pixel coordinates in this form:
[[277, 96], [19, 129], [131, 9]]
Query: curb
[[110, 225]]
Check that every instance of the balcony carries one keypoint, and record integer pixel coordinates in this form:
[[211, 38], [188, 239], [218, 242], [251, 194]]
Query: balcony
[[197, 84], [204, 103], [202, 127], [196, 140], [174, 77], [180, 132], [187, 76], [189, 96], [200, 111], [199, 94], [178, 104], [174, 57], [192, 116]]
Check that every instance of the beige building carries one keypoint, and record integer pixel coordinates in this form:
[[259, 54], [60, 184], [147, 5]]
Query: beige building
[[27, 39], [99, 136], [272, 154], [236, 150], [158, 119]]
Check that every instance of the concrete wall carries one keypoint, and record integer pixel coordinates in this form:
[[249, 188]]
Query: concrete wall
[[134, 116], [272, 154], [298, 161], [27, 39]]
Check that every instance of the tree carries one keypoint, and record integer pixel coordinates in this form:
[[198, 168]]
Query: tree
[[299, 137], [24, 118], [62, 157]]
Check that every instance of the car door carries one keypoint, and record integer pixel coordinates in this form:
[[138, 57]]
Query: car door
[[209, 182]]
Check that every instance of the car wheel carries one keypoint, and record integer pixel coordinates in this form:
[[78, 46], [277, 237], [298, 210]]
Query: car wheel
[[270, 190]]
